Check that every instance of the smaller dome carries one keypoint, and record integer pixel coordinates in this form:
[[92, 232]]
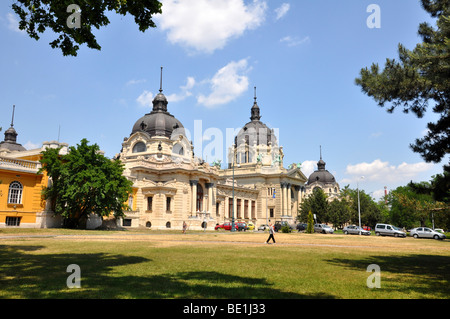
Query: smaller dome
[[10, 142], [321, 175]]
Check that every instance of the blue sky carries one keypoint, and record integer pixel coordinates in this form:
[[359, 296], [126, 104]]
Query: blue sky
[[303, 57]]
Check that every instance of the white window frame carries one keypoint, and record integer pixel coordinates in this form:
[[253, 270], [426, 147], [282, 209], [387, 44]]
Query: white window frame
[[15, 193]]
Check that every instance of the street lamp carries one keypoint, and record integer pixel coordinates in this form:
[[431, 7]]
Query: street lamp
[[232, 211], [359, 205]]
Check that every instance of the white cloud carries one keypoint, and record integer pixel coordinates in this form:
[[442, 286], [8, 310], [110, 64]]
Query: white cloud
[[145, 99], [282, 10], [31, 146], [207, 25], [13, 23], [308, 167], [379, 171], [227, 84], [294, 41], [185, 91], [378, 194]]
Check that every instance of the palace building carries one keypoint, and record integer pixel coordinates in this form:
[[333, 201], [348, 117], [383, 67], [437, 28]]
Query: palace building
[[170, 184]]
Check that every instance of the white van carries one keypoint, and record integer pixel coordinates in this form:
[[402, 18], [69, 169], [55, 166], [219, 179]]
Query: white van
[[388, 230]]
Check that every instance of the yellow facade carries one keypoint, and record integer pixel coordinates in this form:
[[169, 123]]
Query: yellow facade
[[30, 200], [21, 201]]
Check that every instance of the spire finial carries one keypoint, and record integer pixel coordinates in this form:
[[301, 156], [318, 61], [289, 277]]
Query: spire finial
[[320, 151], [12, 120], [255, 110], [160, 81]]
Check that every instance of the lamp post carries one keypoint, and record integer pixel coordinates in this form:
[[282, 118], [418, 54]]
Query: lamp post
[[232, 211], [359, 205]]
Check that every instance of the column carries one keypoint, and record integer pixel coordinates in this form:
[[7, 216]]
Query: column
[[209, 187], [226, 208], [234, 208], [194, 196], [284, 211], [288, 191], [299, 195]]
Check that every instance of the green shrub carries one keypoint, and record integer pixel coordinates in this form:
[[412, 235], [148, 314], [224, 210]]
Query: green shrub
[[310, 227], [286, 229]]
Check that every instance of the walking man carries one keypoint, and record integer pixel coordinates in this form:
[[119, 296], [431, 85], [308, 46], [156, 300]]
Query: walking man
[[271, 232]]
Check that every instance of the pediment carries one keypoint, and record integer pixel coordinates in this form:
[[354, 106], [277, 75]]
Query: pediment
[[297, 174]]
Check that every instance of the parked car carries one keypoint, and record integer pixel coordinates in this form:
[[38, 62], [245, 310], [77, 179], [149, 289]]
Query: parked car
[[388, 230], [250, 226], [280, 224], [425, 232], [241, 226], [302, 226], [367, 228], [354, 230], [322, 228], [263, 227], [226, 226]]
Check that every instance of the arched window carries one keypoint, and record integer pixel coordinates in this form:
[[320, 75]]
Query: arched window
[[139, 147], [15, 193], [199, 198], [178, 149]]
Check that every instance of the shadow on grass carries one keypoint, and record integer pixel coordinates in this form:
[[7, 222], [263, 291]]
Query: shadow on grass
[[424, 274], [26, 275]]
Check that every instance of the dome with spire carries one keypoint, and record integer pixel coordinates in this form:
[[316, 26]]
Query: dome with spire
[[255, 131], [159, 122], [10, 142], [321, 175]]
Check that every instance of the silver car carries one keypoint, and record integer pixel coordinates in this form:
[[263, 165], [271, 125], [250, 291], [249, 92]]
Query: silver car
[[355, 230], [388, 230], [425, 232], [322, 228]]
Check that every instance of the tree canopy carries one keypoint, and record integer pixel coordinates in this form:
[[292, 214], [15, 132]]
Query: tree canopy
[[419, 79], [316, 203], [85, 182], [60, 16]]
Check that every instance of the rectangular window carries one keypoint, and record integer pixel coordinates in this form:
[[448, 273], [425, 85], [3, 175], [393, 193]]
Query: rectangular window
[[246, 209], [150, 203], [12, 221], [126, 223], [238, 208], [253, 209], [271, 213], [168, 203], [130, 202]]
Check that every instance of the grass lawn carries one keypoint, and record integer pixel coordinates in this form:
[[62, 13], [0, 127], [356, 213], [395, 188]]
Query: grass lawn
[[219, 265]]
